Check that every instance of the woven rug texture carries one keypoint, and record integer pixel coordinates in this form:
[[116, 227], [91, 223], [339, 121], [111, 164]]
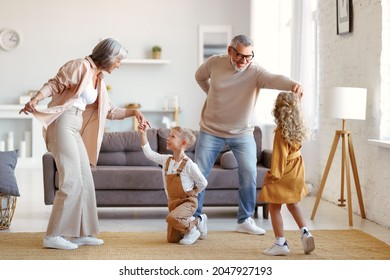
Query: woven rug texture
[[219, 245]]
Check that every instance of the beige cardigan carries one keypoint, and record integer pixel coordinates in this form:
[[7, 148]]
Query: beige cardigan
[[64, 89]]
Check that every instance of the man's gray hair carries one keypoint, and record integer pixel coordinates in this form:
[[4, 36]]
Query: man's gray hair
[[241, 39], [106, 52]]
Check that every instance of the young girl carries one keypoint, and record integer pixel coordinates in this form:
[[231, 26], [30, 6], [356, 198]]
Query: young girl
[[285, 181], [182, 182]]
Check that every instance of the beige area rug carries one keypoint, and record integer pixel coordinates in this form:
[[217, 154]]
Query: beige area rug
[[219, 245]]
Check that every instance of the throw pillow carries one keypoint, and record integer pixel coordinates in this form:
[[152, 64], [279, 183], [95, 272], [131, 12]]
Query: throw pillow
[[228, 161], [8, 183]]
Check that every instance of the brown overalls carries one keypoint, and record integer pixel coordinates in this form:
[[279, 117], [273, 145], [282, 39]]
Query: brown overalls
[[182, 205]]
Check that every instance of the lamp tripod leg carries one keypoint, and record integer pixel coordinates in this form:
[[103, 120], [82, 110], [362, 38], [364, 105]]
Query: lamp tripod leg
[[356, 177], [342, 199], [325, 176], [348, 177]]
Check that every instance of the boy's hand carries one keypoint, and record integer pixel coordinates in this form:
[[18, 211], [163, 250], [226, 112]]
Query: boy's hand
[[143, 126]]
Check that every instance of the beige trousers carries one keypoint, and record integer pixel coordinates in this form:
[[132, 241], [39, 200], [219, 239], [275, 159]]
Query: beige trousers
[[74, 211]]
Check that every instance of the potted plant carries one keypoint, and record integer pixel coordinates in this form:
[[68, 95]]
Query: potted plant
[[156, 52]]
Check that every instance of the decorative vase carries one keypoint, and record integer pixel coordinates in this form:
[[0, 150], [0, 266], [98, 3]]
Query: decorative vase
[[156, 55]]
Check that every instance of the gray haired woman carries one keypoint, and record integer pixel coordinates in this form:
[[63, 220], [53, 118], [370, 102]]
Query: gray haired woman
[[74, 125]]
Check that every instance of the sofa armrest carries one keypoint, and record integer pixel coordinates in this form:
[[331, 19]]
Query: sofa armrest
[[266, 156], [49, 171]]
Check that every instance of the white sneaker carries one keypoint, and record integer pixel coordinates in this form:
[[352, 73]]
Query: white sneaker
[[58, 242], [307, 242], [277, 250], [190, 237], [249, 226], [87, 240], [202, 226]]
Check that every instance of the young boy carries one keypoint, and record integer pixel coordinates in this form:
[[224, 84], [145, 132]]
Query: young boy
[[182, 183]]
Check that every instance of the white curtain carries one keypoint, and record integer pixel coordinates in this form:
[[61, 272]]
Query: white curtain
[[303, 56]]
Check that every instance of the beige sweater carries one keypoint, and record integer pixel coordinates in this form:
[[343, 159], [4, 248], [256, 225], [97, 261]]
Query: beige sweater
[[231, 95]]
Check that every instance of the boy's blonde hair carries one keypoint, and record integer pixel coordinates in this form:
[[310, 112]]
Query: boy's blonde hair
[[186, 134], [289, 118]]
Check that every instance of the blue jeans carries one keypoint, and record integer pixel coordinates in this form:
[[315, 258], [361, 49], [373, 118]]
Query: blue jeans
[[244, 149]]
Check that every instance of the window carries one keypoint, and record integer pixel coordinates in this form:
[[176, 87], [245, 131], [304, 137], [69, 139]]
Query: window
[[273, 28]]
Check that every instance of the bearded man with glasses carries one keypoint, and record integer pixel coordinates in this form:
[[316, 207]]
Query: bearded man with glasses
[[232, 83]]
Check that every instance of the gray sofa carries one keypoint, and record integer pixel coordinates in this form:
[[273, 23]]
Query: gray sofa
[[124, 177]]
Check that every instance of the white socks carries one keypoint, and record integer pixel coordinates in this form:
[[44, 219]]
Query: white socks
[[280, 241], [302, 229]]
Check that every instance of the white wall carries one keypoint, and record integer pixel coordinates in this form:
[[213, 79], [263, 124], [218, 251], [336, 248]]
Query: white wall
[[55, 31], [354, 60]]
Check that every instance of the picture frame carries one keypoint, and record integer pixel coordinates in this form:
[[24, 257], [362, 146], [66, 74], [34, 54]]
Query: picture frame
[[344, 16]]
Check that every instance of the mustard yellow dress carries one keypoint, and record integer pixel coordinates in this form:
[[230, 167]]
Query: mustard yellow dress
[[285, 181]]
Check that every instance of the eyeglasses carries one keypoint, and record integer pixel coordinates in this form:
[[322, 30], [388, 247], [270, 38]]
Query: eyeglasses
[[241, 56]]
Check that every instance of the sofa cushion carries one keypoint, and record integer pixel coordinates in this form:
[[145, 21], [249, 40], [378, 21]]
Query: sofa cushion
[[124, 149], [113, 178], [8, 184], [228, 160]]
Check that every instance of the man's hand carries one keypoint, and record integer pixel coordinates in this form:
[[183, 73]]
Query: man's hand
[[297, 88]]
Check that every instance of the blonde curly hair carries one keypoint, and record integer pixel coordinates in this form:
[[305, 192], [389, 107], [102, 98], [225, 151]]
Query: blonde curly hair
[[289, 118]]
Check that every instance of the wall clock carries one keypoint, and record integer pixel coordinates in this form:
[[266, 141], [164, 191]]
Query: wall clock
[[9, 39]]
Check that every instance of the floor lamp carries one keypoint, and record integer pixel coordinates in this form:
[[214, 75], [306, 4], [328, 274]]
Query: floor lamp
[[344, 103]]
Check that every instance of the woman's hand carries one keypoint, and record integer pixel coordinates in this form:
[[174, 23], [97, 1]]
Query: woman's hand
[[141, 119], [29, 107]]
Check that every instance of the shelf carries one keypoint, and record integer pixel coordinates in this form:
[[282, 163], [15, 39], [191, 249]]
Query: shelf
[[11, 120], [174, 112], [145, 61], [380, 143], [158, 110]]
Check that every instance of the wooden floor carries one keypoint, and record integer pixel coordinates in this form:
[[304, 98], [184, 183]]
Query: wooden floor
[[32, 214]]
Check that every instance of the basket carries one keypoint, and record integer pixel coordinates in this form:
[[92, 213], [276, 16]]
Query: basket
[[7, 210]]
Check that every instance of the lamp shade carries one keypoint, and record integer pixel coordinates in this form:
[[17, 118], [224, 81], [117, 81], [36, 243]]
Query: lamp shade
[[346, 103]]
